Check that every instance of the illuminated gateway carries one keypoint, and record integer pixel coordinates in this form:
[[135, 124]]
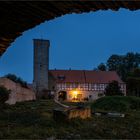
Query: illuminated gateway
[[72, 85]]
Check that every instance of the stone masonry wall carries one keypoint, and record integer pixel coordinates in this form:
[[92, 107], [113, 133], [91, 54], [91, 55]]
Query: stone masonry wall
[[18, 93], [41, 64]]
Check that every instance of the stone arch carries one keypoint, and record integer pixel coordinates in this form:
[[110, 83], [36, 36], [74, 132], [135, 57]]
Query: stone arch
[[22, 16], [62, 95]]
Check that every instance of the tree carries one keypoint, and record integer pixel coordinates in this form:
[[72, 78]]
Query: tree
[[4, 94], [116, 63], [123, 64], [112, 89], [133, 83], [17, 80], [131, 61], [113, 62], [102, 67]]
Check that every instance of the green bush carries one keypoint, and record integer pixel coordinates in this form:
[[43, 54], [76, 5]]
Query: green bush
[[117, 103], [4, 94]]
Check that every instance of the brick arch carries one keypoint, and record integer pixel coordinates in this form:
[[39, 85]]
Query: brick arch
[[17, 16], [62, 95]]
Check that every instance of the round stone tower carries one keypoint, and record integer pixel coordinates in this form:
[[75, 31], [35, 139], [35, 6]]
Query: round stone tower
[[41, 65]]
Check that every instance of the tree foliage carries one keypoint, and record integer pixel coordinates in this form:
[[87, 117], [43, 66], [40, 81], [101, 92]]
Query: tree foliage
[[133, 82], [128, 68], [4, 94], [112, 89], [123, 64], [16, 79], [102, 67]]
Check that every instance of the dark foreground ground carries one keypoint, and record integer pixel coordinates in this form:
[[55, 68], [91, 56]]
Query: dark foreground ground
[[33, 120]]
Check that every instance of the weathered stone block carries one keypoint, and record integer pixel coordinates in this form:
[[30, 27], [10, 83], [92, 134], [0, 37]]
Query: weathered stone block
[[82, 113], [66, 114]]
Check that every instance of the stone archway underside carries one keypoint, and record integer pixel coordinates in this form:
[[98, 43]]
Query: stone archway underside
[[17, 17]]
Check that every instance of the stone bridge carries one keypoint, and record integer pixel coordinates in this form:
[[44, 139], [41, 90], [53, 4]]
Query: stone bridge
[[19, 16]]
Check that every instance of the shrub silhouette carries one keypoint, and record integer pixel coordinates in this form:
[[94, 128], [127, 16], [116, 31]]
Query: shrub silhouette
[[113, 88], [17, 80], [4, 94]]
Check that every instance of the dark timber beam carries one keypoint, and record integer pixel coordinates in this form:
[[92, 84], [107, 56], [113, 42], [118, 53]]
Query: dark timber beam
[[19, 16]]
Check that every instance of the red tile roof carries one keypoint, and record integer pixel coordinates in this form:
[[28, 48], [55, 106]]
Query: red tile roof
[[85, 76]]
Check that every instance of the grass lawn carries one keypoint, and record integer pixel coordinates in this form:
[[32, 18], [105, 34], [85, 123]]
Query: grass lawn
[[34, 120]]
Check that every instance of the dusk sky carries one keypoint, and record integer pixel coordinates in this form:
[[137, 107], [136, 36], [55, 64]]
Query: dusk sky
[[78, 41]]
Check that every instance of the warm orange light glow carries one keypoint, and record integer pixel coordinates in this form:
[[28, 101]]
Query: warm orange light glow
[[74, 94]]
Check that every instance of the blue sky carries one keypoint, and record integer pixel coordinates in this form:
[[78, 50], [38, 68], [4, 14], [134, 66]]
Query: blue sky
[[78, 41]]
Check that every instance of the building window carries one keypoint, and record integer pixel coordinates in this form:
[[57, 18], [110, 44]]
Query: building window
[[101, 87], [92, 87], [86, 86], [95, 87], [61, 77], [64, 86], [68, 86], [89, 87]]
